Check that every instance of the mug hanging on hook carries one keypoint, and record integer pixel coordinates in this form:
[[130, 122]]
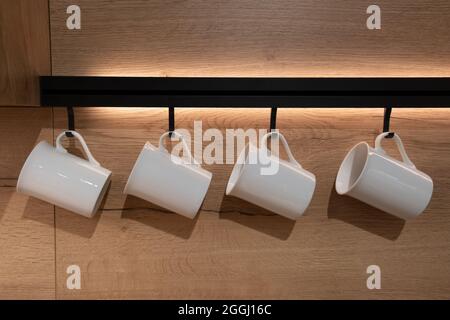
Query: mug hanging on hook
[[53, 174], [167, 180], [394, 186]]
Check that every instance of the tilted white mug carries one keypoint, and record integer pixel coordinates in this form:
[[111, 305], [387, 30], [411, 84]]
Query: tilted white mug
[[287, 191], [370, 175], [63, 179], [167, 180]]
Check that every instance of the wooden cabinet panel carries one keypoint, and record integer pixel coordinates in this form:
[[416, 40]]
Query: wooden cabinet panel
[[27, 238], [133, 249], [251, 38], [20, 130], [24, 50], [27, 264]]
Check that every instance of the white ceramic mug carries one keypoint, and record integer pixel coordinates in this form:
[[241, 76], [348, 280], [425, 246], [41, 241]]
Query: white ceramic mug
[[370, 175], [65, 180], [167, 180], [287, 192]]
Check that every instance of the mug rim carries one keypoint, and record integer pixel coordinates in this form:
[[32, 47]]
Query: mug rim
[[138, 159], [361, 173], [238, 169], [101, 194], [25, 164]]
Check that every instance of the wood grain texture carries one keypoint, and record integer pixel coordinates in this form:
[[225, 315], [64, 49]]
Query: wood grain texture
[[27, 238], [24, 50], [133, 249], [20, 129], [251, 38]]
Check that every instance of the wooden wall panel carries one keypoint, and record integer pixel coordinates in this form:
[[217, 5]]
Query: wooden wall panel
[[20, 129], [27, 264], [24, 50], [27, 238], [251, 38], [133, 249]]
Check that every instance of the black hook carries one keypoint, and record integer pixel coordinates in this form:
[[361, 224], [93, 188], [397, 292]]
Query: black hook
[[71, 122], [171, 121], [386, 122], [273, 119]]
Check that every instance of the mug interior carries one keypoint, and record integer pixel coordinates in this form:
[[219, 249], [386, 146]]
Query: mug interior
[[352, 168]]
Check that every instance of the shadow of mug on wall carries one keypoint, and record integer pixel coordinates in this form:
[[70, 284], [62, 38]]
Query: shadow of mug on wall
[[157, 217], [363, 216], [256, 218]]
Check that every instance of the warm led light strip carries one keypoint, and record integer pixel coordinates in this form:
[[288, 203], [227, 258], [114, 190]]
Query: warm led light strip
[[244, 92]]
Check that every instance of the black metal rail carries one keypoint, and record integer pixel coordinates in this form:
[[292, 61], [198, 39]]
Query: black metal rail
[[244, 92]]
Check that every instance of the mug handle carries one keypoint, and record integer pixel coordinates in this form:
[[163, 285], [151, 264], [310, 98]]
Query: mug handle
[[285, 145], [186, 148], [60, 148], [400, 147]]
